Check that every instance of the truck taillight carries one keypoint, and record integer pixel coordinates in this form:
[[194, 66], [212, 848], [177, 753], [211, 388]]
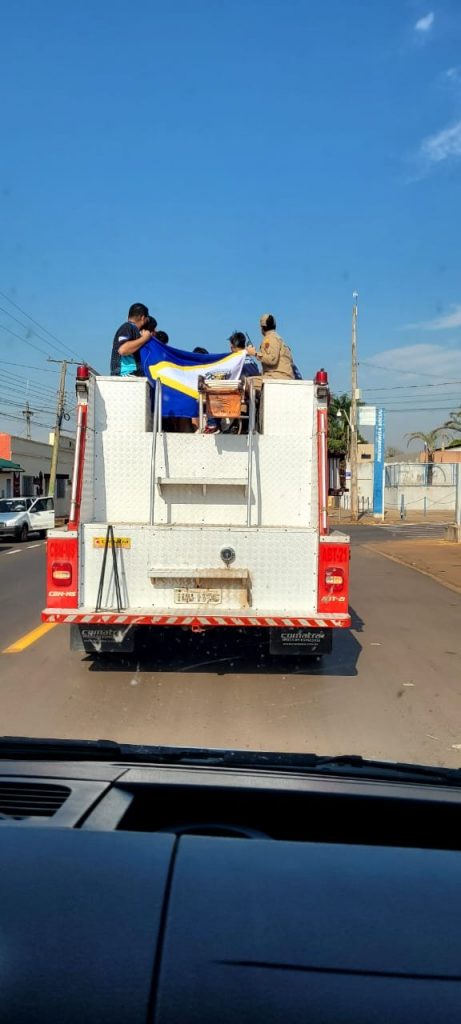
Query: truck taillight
[[334, 579], [61, 572]]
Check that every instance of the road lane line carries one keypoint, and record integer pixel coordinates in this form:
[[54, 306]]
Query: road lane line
[[17, 551], [29, 638], [34, 546]]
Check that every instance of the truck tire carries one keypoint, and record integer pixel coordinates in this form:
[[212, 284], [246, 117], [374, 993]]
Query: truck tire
[[23, 533]]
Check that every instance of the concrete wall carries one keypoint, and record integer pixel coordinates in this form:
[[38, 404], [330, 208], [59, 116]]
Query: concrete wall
[[364, 487], [430, 499], [412, 474]]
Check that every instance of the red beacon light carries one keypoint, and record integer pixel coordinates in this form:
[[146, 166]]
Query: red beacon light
[[83, 372], [321, 377]]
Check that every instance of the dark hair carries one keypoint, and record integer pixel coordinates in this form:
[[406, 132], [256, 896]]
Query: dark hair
[[162, 336], [269, 325], [150, 324], [138, 309], [238, 339], [201, 351]]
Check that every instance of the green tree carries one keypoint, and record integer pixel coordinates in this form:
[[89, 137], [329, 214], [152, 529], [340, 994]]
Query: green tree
[[338, 426]]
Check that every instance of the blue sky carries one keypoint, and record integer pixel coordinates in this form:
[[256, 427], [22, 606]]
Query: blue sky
[[217, 160]]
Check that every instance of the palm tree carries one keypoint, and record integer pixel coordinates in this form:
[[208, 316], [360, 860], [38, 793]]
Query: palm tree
[[338, 425], [430, 444], [454, 423]]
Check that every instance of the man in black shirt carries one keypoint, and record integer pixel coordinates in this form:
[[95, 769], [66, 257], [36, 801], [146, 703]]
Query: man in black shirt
[[128, 339]]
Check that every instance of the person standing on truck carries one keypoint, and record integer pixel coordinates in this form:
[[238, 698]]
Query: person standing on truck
[[274, 355], [237, 344], [162, 336], [128, 340]]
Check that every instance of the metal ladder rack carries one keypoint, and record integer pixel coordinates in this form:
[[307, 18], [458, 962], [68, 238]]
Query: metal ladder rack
[[110, 539], [164, 482]]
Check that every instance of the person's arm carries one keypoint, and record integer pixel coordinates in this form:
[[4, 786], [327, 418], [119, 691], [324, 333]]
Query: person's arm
[[127, 348], [269, 353]]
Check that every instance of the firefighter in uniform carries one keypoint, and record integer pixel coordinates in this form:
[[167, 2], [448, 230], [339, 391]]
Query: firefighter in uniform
[[275, 357]]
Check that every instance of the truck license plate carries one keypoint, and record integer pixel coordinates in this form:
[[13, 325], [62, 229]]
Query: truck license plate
[[188, 595]]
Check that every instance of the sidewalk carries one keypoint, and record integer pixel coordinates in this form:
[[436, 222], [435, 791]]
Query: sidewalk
[[340, 516], [438, 559]]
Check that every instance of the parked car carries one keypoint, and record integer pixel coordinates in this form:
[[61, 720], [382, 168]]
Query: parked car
[[21, 516]]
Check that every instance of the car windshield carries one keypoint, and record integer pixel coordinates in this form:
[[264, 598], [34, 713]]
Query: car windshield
[[230, 323], [12, 505]]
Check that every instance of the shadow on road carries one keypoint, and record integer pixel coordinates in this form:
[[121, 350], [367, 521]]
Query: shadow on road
[[229, 651]]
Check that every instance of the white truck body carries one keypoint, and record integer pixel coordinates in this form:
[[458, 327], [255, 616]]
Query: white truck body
[[207, 529]]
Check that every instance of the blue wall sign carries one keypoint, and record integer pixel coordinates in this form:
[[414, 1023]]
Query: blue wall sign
[[378, 469]]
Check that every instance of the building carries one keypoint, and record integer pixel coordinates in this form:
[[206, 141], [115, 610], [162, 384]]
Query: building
[[443, 455], [365, 452], [25, 469]]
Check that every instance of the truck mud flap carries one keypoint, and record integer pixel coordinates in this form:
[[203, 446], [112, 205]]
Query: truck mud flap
[[96, 639], [300, 641]]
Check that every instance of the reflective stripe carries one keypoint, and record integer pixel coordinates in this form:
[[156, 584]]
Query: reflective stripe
[[54, 615]]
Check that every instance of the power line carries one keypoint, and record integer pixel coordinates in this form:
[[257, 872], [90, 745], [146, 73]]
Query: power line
[[10, 416], [18, 378], [25, 340], [408, 402], [36, 322], [13, 381], [25, 366], [443, 408], [17, 405], [412, 387], [394, 370], [10, 386]]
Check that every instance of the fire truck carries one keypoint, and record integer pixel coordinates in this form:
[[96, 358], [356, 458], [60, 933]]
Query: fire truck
[[199, 530]]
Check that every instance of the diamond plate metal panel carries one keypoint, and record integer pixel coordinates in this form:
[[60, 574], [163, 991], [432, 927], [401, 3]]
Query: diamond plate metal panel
[[122, 464], [282, 564], [122, 402], [287, 408], [281, 480]]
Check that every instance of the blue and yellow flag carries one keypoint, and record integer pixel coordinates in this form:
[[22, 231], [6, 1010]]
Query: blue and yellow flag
[[179, 372]]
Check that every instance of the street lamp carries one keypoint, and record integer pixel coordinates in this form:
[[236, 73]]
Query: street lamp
[[343, 412]]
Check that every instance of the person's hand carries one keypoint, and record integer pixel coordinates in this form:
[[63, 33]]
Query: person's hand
[[145, 334], [251, 350]]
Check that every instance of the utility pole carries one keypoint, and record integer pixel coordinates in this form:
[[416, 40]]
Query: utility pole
[[353, 417], [27, 413], [59, 419]]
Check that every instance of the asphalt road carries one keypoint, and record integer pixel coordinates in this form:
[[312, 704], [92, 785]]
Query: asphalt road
[[391, 689]]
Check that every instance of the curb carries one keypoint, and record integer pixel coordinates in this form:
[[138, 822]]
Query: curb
[[411, 565]]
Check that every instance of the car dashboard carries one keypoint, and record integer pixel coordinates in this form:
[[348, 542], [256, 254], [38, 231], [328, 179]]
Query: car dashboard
[[171, 893]]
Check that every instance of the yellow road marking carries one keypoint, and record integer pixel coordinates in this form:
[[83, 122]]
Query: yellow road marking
[[29, 638]]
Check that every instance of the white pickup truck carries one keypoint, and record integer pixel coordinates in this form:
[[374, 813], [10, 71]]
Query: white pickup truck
[[21, 516]]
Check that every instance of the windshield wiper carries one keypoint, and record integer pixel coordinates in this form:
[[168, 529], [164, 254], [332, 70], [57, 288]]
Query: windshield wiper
[[343, 765]]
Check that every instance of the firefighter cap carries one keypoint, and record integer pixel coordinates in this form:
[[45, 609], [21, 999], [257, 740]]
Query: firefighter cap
[[267, 319]]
